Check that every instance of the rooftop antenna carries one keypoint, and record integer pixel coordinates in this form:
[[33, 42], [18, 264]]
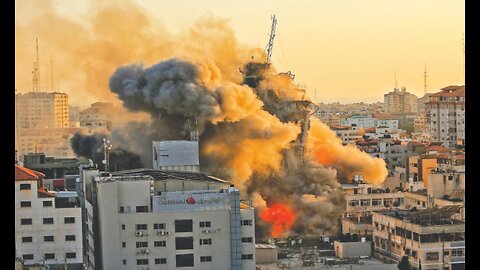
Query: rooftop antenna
[[270, 40], [395, 77], [425, 80], [107, 146], [36, 70], [51, 73]]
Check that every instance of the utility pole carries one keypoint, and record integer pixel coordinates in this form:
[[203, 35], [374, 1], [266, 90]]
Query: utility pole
[[107, 146], [425, 80]]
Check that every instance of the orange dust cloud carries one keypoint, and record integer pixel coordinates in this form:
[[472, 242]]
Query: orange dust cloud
[[280, 216]]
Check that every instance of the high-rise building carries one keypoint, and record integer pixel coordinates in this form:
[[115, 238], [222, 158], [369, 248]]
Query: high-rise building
[[47, 224], [97, 116], [152, 219], [42, 110], [400, 102], [446, 115]]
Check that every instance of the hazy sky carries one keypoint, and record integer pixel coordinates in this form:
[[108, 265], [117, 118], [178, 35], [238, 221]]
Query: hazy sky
[[348, 50]]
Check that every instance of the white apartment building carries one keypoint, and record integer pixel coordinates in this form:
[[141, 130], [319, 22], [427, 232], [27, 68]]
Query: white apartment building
[[358, 120], [430, 238], [47, 224], [151, 219], [446, 115], [400, 101], [42, 110]]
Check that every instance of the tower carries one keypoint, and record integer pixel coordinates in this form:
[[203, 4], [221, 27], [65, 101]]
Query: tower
[[425, 80], [36, 70]]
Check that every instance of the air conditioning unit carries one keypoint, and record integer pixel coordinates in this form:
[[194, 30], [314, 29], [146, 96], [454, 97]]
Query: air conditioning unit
[[138, 233]]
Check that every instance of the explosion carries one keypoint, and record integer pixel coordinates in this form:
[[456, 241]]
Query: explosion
[[253, 125]]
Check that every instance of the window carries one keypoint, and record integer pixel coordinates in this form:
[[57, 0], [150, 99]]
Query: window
[[184, 225], [49, 256], [159, 226], [160, 243], [247, 239], [142, 209], [246, 222], [365, 202], [432, 256], [204, 242], [25, 187], [122, 209], [27, 239], [26, 221], [71, 255], [247, 256], [160, 261], [69, 220], [142, 262], [26, 204], [48, 238], [376, 202], [47, 203], [27, 257], [205, 258], [185, 260], [124, 262], [70, 237], [183, 243], [124, 244], [123, 226], [205, 224], [48, 221], [457, 252], [141, 244], [141, 226]]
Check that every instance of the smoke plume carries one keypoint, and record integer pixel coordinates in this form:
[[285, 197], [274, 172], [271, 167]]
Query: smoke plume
[[254, 124]]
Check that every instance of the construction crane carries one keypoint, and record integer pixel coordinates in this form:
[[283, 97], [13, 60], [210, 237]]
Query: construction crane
[[269, 47]]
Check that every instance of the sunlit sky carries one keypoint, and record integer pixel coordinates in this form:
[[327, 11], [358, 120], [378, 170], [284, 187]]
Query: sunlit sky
[[348, 50]]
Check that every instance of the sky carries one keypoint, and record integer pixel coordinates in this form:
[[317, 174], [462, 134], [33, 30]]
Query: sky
[[341, 50]]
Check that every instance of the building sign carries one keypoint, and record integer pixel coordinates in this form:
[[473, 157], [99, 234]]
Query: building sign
[[190, 202]]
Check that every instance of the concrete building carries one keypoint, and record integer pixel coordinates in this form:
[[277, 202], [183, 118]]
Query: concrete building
[[358, 120], [385, 120], [348, 134], [352, 249], [446, 115], [74, 116], [97, 116], [47, 224], [430, 238], [447, 183], [266, 253], [418, 169], [145, 219], [54, 142], [42, 110], [400, 102], [176, 156]]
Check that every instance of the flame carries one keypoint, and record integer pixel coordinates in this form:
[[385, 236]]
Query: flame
[[280, 216]]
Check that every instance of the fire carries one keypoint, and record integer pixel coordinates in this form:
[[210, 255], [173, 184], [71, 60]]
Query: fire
[[280, 216]]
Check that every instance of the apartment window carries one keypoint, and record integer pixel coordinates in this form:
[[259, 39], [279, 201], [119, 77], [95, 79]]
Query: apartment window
[[71, 255], [184, 260], [432, 256], [141, 209], [25, 187], [124, 262], [70, 237], [205, 224], [69, 220], [457, 252], [123, 226], [183, 225], [183, 243], [48, 221], [414, 254], [141, 244], [124, 244], [27, 239], [376, 202], [160, 243], [365, 202], [246, 222], [27, 257], [161, 261], [48, 238], [47, 203], [141, 226], [26, 204], [49, 256], [353, 203], [247, 256], [122, 209], [247, 239], [205, 258], [142, 262], [204, 242], [26, 221], [159, 226]]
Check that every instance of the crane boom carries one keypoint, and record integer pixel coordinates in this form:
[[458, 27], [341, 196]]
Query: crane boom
[[270, 40]]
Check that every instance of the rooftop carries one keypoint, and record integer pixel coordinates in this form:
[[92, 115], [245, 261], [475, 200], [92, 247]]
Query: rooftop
[[22, 173], [426, 217], [159, 175], [451, 91]]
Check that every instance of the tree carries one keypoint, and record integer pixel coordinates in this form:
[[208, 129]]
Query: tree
[[403, 263]]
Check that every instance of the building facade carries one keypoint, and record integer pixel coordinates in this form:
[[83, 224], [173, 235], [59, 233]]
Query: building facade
[[47, 224], [446, 115], [97, 116], [400, 102], [42, 110]]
